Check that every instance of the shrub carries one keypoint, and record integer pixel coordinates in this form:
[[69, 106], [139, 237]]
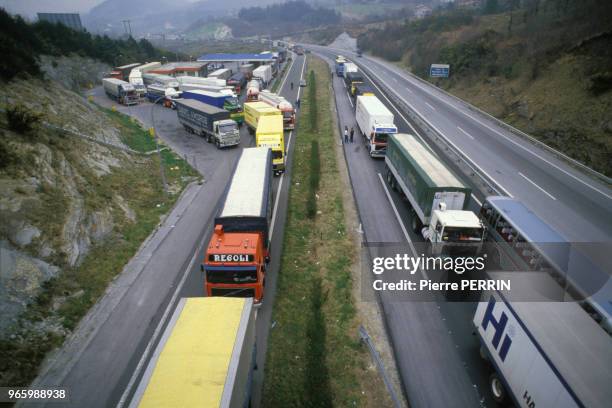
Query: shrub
[[22, 120], [314, 176], [600, 83]]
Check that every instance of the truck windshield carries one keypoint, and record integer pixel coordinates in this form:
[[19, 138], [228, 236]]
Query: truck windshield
[[456, 234], [277, 154], [381, 137], [228, 128], [287, 114], [231, 275], [232, 101]]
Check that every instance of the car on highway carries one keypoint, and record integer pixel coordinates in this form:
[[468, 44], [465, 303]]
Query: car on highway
[[302, 82]]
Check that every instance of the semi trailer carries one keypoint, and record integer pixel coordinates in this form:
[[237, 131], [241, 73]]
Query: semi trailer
[[339, 65], [220, 100], [263, 72], [437, 196], [238, 252], [375, 122], [253, 88], [208, 121], [270, 134], [165, 80], [351, 80], [281, 104], [222, 73], [185, 80], [237, 82], [205, 358], [121, 91], [255, 110]]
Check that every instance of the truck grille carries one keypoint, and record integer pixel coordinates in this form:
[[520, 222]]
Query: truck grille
[[233, 292]]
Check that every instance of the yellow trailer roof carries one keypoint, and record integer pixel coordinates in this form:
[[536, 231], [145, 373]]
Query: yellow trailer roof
[[262, 107], [270, 124], [192, 367]]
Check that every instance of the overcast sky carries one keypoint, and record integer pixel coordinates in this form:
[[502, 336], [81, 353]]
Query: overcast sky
[[29, 8]]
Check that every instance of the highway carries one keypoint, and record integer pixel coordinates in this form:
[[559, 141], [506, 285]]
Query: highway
[[436, 353], [104, 358], [577, 205]]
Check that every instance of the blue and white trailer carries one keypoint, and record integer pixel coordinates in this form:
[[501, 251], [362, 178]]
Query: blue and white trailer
[[543, 353]]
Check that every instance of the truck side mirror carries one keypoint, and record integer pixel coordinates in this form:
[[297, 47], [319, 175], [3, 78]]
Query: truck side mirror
[[201, 268]]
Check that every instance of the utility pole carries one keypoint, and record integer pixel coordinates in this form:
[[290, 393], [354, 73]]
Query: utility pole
[[127, 26]]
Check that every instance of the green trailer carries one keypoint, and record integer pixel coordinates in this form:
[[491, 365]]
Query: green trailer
[[427, 183]]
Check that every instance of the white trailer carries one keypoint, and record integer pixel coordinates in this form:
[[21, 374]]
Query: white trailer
[[226, 90], [165, 80], [149, 66], [223, 73], [350, 67], [263, 72], [281, 104], [135, 79], [121, 91], [189, 80], [543, 353], [375, 122]]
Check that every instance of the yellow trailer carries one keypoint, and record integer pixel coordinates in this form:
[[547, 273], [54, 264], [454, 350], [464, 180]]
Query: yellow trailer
[[254, 110], [205, 358], [270, 134]]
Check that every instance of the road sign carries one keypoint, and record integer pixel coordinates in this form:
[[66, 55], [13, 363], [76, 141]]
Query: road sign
[[439, 70]]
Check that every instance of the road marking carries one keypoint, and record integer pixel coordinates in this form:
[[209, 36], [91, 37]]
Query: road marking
[[158, 329], [429, 91], [477, 201], [430, 107], [282, 177], [540, 188], [434, 127], [287, 74], [401, 223], [465, 133], [349, 98]]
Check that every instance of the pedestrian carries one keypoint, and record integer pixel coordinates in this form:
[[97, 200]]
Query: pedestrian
[[292, 86], [297, 103], [352, 132], [346, 134]]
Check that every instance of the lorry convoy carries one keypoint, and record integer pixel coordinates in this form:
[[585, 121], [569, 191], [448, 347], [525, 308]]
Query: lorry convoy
[[375, 122], [205, 358], [208, 121], [281, 104], [438, 198], [121, 91], [237, 254]]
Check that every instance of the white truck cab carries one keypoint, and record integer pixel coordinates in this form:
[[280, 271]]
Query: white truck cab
[[453, 227]]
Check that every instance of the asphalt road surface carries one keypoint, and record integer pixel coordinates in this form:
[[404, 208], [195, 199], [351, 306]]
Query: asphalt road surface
[[103, 361]]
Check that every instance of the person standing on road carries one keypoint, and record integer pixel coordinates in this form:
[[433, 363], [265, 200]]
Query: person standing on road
[[352, 132], [292, 86], [346, 134], [297, 103]]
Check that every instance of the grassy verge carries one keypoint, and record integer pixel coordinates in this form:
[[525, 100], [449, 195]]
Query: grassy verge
[[314, 355], [65, 299]]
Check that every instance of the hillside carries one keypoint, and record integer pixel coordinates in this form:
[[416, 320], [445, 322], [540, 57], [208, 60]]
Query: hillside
[[543, 67], [72, 212]]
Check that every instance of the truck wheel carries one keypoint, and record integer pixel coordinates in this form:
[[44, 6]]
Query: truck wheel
[[497, 388]]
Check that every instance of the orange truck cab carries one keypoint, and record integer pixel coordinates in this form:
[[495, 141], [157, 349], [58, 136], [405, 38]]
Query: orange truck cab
[[238, 252]]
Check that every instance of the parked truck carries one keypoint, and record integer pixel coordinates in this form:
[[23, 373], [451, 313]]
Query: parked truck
[[263, 72], [121, 91], [375, 122], [123, 72], [190, 80], [206, 357], [220, 100], [208, 121], [351, 80], [238, 252], [281, 104], [135, 78], [437, 196], [254, 110], [237, 82], [253, 88], [222, 73], [339, 65], [247, 70], [542, 353], [159, 79], [349, 67], [362, 89], [163, 95], [270, 134]]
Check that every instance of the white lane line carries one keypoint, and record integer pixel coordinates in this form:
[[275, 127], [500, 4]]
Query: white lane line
[[409, 90], [540, 188], [282, 177], [477, 200], [433, 127], [441, 99], [349, 99], [399, 220], [287, 74], [465, 133], [158, 329], [430, 107]]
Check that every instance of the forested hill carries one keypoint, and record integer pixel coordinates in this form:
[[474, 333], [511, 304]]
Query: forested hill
[[21, 44], [544, 66]]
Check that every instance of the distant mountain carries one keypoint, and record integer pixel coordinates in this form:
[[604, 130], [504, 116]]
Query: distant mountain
[[158, 16]]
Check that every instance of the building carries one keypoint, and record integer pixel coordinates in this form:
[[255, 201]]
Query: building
[[469, 3], [72, 20], [422, 11], [198, 69]]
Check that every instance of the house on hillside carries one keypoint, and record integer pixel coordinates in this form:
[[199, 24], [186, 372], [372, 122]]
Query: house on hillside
[[422, 11], [469, 3]]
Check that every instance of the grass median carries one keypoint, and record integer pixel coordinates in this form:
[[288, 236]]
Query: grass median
[[314, 356]]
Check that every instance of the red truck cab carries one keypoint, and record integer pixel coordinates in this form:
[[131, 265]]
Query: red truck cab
[[235, 264]]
